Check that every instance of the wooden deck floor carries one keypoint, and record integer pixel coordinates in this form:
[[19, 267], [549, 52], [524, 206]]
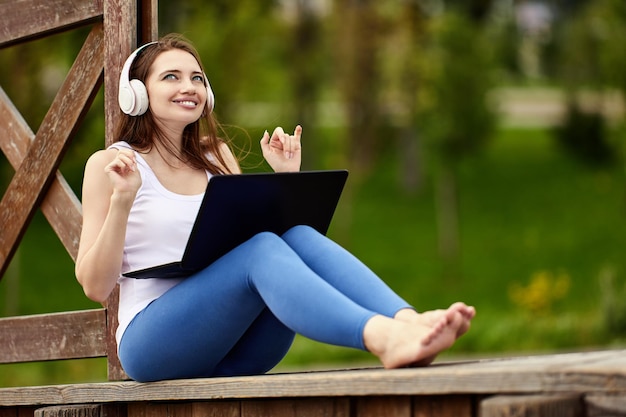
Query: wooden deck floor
[[585, 381]]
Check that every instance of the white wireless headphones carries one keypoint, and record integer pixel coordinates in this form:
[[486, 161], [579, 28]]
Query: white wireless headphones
[[132, 94]]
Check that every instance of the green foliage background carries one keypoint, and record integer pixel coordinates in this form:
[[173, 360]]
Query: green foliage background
[[540, 234]]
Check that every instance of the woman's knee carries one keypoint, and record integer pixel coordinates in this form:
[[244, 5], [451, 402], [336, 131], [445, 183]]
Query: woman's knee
[[298, 231], [263, 244]]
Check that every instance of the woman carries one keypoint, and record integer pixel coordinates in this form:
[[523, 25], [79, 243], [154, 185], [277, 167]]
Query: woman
[[239, 315]]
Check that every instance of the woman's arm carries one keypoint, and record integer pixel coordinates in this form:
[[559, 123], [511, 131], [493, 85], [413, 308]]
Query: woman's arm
[[110, 185]]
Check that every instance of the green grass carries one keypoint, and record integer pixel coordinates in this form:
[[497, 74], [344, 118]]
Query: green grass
[[525, 207]]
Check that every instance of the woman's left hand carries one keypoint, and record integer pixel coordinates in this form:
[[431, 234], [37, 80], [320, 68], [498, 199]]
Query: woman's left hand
[[281, 150]]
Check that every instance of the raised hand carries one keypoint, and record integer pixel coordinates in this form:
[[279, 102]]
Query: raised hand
[[123, 173], [283, 152]]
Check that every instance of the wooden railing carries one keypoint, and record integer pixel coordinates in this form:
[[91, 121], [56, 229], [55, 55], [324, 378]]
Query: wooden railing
[[117, 26]]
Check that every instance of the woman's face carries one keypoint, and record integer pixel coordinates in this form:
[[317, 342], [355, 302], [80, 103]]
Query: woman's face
[[176, 88]]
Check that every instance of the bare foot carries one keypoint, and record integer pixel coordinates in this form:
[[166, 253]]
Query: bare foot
[[430, 318], [399, 343], [434, 317]]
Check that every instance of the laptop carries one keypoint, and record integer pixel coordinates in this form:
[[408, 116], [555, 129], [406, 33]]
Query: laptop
[[237, 207]]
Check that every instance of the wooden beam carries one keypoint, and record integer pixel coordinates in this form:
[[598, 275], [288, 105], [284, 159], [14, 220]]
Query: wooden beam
[[388, 406], [148, 21], [84, 410], [299, 407], [30, 182], [115, 372], [120, 40], [60, 206], [555, 374], [44, 18], [443, 406], [603, 405], [541, 405], [78, 334]]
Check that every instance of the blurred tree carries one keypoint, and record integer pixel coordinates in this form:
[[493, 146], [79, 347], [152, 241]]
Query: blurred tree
[[307, 72], [592, 60], [358, 38], [230, 38], [476, 10], [412, 23], [455, 67]]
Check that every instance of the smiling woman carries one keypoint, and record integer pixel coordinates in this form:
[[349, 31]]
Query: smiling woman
[[240, 314]]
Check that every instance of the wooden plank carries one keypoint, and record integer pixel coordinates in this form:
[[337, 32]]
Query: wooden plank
[[60, 206], [543, 405], [160, 410], [120, 40], [115, 372], [301, 407], [30, 182], [84, 410], [603, 405], [121, 31], [484, 377], [443, 406], [17, 411], [78, 334], [216, 409], [44, 17], [391, 406], [148, 20]]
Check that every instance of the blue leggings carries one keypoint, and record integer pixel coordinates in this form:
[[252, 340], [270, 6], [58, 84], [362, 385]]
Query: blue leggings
[[239, 315]]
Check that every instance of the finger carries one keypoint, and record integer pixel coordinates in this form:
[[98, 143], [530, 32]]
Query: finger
[[127, 161], [278, 134], [265, 139], [297, 133], [288, 146]]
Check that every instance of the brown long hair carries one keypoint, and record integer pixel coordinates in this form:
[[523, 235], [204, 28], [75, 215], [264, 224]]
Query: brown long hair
[[200, 138]]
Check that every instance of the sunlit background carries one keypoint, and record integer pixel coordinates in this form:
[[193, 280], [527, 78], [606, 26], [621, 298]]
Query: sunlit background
[[485, 141]]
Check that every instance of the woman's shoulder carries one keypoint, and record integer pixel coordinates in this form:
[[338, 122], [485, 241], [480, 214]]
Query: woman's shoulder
[[229, 158], [99, 159]]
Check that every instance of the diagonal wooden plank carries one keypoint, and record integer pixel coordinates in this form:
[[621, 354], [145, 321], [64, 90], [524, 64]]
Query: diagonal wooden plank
[[30, 181], [60, 206], [44, 17]]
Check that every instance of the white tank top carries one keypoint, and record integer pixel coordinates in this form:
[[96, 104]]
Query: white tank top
[[159, 225]]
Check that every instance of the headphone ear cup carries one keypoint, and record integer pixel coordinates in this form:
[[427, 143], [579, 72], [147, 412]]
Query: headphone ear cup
[[141, 101], [126, 98], [210, 97]]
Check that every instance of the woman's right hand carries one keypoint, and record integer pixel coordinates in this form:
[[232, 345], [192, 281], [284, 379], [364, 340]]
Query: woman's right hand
[[123, 174]]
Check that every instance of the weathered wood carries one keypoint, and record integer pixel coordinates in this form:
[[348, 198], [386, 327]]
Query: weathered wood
[[115, 372], [85, 410], [160, 410], [80, 410], [42, 337], [30, 182], [123, 24], [44, 17], [526, 375], [603, 405], [60, 206], [148, 20], [376, 406], [120, 33], [17, 411], [543, 405], [216, 409], [302, 407], [443, 406]]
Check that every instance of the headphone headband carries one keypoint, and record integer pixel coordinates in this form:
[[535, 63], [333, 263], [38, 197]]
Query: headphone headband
[[132, 94]]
